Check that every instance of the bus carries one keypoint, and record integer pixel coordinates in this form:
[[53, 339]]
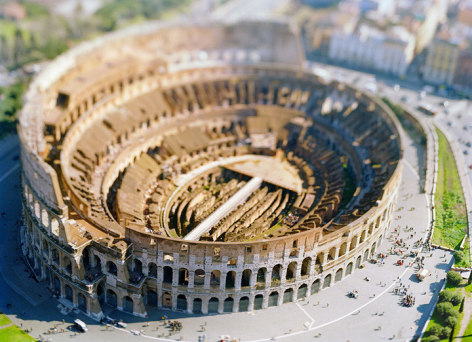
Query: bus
[[427, 109]]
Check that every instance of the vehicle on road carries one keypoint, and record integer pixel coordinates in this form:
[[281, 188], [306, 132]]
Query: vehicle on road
[[427, 109], [353, 294], [422, 274], [80, 325]]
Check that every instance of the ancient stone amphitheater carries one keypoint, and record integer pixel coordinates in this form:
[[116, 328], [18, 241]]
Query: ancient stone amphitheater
[[200, 168]]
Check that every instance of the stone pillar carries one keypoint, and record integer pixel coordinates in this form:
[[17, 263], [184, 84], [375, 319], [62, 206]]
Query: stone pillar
[[251, 302], [253, 280], [268, 278], [221, 303], [283, 274], [94, 308], [223, 281], [119, 301], [265, 300], [298, 271], [191, 279], [280, 300], [237, 280], [205, 306], [175, 278], [236, 303], [206, 284], [138, 305], [189, 305], [122, 271]]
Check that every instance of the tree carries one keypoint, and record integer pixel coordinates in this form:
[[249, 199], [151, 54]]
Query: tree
[[445, 332], [451, 321], [458, 256], [435, 330], [445, 296], [456, 298], [454, 278], [431, 338], [445, 309], [19, 48]]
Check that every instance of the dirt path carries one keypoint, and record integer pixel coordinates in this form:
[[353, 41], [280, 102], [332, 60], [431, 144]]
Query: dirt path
[[466, 318], [6, 326]]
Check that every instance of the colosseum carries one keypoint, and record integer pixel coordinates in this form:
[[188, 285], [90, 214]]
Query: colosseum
[[200, 167]]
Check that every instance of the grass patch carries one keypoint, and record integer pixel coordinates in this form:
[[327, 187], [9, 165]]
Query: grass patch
[[465, 263], [14, 334], [4, 320], [468, 333], [437, 320], [451, 219]]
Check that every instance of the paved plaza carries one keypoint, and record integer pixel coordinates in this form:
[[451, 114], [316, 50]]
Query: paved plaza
[[329, 315]]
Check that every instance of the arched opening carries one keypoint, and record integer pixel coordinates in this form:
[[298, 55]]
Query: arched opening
[[86, 256], [339, 275], [215, 278], [362, 239], [111, 298], [67, 264], [291, 271], [244, 304], [288, 296], [228, 305], [372, 250], [127, 304], [57, 285], [276, 275], [230, 278], [167, 270], [353, 243], [199, 277], [371, 228], [319, 263], [273, 299], [55, 256], [101, 292], [135, 271], [183, 276], [366, 255], [98, 264], [69, 294], [302, 290], [261, 276], [111, 268], [349, 269], [327, 281], [358, 261], [343, 249], [152, 270], [258, 302], [305, 266], [315, 287], [151, 298], [82, 301], [246, 278], [45, 249], [213, 305], [181, 303], [332, 254], [197, 306]]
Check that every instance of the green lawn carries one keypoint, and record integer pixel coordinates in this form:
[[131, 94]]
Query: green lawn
[[468, 333], [437, 320], [4, 320], [14, 334], [451, 219]]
